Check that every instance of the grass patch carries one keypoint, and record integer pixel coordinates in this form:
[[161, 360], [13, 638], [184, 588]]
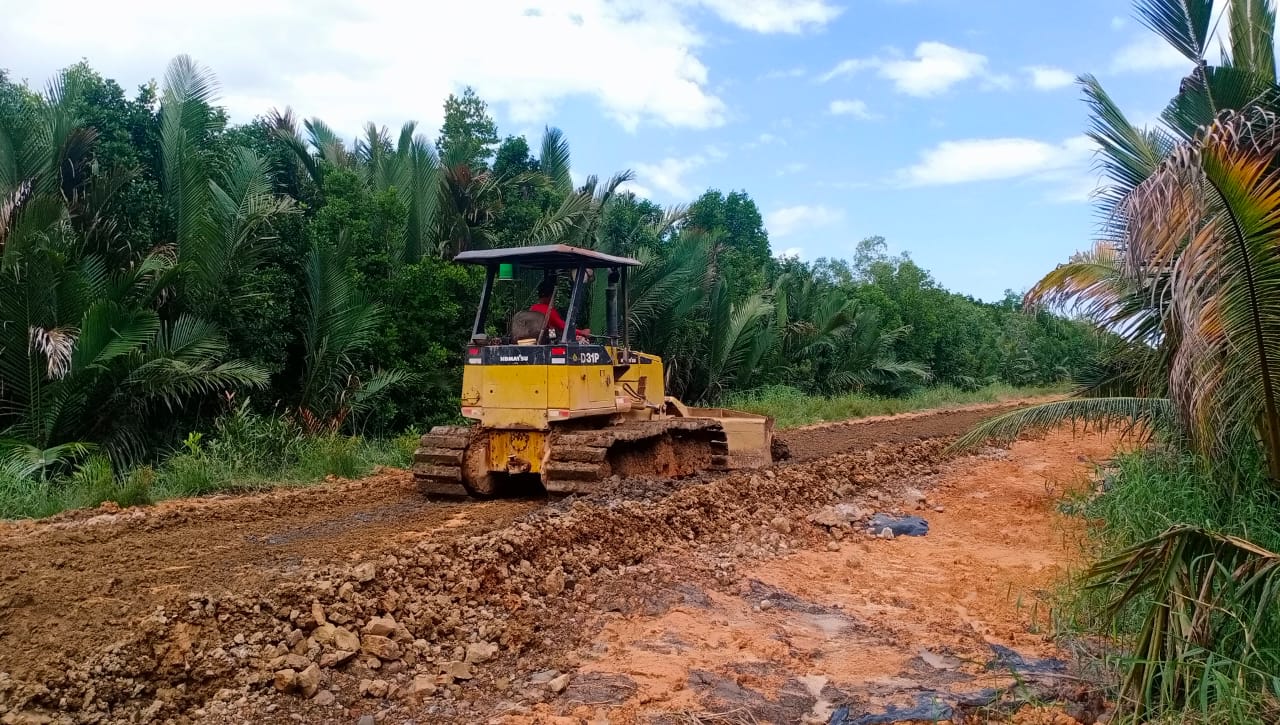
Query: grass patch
[[1234, 677], [245, 452], [790, 407]]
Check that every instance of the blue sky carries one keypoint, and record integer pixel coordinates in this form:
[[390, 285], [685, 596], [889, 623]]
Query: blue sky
[[951, 128]]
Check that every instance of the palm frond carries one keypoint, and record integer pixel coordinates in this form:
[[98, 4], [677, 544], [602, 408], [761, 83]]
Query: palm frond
[[23, 460], [1253, 26], [553, 161], [1211, 215], [377, 385], [285, 128], [1184, 24], [1207, 598], [1129, 415]]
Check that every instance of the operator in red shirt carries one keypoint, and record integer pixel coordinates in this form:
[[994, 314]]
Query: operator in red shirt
[[546, 288]]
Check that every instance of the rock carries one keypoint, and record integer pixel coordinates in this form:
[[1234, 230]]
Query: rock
[[335, 658], [479, 652], [317, 613], [765, 605], [422, 687], [553, 584], [285, 680], [290, 661], [324, 698], [380, 647], [559, 684], [886, 533], [939, 509], [914, 495], [373, 688], [344, 638], [367, 720], [324, 633], [381, 626], [781, 524], [543, 677], [458, 670], [365, 572], [833, 546], [309, 681], [841, 514]]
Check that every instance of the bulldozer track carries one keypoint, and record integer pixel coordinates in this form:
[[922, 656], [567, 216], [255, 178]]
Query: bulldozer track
[[582, 458], [437, 464]]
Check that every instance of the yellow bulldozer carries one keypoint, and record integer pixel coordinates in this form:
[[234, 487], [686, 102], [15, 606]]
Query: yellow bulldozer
[[553, 403]]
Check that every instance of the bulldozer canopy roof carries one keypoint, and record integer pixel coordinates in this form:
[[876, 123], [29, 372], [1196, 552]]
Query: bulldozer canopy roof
[[557, 256]]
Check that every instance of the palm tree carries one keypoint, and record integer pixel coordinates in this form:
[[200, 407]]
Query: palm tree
[[409, 166], [468, 200], [340, 323], [1199, 182], [88, 347], [1188, 275]]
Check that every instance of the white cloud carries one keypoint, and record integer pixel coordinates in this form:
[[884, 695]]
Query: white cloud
[[934, 68], [851, 107], [848, 67], [355, 62], [638, 189], [794, 167], [990, 159], [1148, 53], [765, 139], [998, 82], [1075, 191], [790, 253], [775, 16], [1048, 78], [778, 73], [790, 219], [667, 175]]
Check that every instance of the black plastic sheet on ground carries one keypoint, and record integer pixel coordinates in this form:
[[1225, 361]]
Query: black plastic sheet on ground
[[899, 525], [929, 707]]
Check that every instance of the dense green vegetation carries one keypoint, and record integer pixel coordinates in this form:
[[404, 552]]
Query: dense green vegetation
[[164, 269], [1185, 274]]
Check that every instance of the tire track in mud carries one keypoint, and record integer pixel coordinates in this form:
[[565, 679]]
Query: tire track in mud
[[72, 585], [81, 577]]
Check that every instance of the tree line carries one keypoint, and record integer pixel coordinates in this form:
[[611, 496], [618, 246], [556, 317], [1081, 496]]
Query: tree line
[[162, 265]]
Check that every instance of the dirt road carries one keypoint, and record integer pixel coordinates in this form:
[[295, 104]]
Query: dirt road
[[203, 609]]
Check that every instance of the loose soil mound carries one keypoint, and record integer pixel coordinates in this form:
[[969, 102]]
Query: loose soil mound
[[358, 598]]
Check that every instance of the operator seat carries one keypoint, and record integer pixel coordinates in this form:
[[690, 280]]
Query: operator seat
[[527, 327]]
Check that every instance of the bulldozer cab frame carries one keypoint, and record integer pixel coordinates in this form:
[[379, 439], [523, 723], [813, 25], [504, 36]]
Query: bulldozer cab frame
[[573, 413], [558, 258]]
